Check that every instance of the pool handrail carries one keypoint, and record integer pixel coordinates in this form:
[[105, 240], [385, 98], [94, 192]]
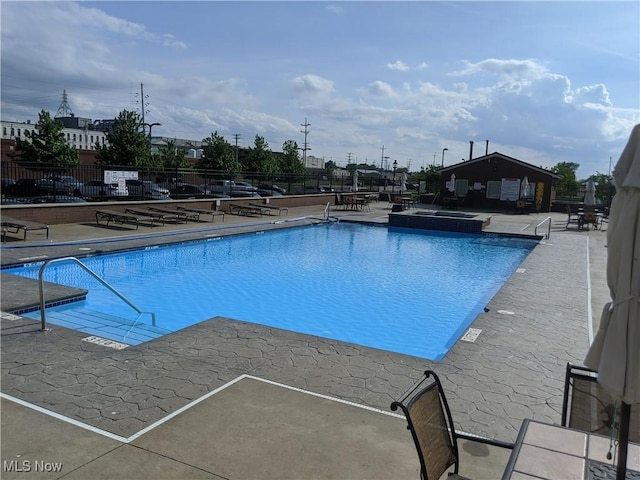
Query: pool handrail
[[535, 231], [43, 321]]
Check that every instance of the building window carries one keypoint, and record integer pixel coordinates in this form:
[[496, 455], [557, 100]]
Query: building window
[[18, 133], [493, 189], [462, 187], [74, 137], [4, 131], [13, 132]]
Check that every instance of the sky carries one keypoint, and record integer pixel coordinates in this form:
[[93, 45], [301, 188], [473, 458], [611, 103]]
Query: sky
[[542, 81]]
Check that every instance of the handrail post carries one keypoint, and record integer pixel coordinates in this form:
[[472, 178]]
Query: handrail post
[[548, 219], [43, 322]]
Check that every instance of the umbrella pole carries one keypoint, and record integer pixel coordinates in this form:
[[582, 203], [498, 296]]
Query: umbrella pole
[[623, 442]]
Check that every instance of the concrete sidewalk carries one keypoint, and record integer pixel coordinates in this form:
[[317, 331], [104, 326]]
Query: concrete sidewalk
[[514, 369]]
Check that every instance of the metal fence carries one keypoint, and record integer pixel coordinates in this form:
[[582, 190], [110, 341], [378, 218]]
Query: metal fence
[[39, 180]]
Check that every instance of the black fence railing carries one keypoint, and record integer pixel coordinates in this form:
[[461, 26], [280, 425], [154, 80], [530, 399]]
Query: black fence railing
[[24, 182]]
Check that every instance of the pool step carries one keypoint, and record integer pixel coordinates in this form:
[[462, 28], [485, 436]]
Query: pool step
[[102, 324]]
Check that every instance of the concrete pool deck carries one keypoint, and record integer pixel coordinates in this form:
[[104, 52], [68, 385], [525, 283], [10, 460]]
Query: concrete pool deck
[[121, 402]]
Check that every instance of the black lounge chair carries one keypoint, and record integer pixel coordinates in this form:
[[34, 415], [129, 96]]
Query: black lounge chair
[[122, 218], [181, 214], [429, 420], [9, 223], [271, 208], [162, 217], [241, 209], [202, 211]]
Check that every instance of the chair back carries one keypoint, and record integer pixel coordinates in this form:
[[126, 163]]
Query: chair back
[[429, 420], [588, 407]]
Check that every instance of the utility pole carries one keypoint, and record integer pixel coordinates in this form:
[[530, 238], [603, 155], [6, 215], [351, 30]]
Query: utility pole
[[382, 159], [349, 158], [236, 136], [306, 145]]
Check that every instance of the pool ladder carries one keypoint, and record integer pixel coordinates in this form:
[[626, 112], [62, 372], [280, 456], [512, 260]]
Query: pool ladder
[[43, 320], [548, 219]]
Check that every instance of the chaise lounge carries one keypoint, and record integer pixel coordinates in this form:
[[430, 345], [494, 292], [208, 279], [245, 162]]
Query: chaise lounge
[[122, 218], [9, 223], [202, 211]]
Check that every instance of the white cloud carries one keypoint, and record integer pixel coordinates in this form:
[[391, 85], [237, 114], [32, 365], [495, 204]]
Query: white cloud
[[312, 84], [504, 69], [398, 65], [381, 89]]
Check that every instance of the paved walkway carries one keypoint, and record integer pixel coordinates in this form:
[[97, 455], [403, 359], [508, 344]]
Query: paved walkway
[[537, 322]]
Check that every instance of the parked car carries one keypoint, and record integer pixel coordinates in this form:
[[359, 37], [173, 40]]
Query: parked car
[[28, 187], [186, 190], [243, 186], [97, 189], [275, 188], [146, 190], [268, 193], [61, 182]]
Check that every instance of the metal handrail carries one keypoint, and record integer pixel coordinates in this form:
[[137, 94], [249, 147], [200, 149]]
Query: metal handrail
[[326, 211], [548, 219], [43, 321]]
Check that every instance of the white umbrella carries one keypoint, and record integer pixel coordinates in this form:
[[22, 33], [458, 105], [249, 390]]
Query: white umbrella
[[452, 183], [403, 182], [355, 180], [615, 352], [524, 187], [590, 194]]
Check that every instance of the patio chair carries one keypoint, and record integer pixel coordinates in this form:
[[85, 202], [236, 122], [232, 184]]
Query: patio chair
[[573, 217], [588, 407], [429, 420]]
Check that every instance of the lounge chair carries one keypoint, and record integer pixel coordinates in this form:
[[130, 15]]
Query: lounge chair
[[122, 218], [162, 217], [587, 406], [181, 214], [271, 208], [429, 420], [241, 209], [202, 211], [573, 217], [9, 223]]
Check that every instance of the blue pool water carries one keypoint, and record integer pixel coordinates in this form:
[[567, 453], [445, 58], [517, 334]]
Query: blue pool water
[[406, 291]]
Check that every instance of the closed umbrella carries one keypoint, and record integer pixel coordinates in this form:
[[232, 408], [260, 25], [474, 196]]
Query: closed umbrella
[[452, 183], [615, 352], [524, 188], [403, 182], [590, 194], [355, 180]]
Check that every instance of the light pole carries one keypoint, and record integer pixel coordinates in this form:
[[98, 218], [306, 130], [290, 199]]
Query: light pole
[[443, 150], [395, 165], [151, 125]]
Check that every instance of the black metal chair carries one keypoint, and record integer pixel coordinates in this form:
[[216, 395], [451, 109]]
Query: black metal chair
[[429, 420], [589, 407]]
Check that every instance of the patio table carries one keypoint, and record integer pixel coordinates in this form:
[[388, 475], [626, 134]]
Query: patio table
[[547, 451]]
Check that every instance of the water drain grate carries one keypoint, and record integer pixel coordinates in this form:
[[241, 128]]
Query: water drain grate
[[105, 342], [471, 335]]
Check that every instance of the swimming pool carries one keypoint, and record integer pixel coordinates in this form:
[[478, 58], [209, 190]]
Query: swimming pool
[[407, 291]]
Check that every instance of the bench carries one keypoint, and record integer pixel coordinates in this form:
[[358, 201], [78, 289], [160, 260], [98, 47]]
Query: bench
[[213, 213], [240, 209], [272, 208], [17, 225], [122, 218]]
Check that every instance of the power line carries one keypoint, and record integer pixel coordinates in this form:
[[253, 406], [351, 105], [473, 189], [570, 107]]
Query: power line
[[306, 145]]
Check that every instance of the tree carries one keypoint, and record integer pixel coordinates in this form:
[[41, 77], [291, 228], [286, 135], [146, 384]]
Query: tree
[[567, 185], [171, 156], [127, 144], [260, 157], [217, 154], [291, 162], [46, 146]]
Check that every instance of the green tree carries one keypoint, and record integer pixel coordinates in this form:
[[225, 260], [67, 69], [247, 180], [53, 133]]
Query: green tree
[[291, 162], [127, 144], [218, 154], [431, 177], [171, 156], [46, 146], [567, 185], [260, 158]]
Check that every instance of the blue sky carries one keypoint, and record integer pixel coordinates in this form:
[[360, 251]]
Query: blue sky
[[545, 82]]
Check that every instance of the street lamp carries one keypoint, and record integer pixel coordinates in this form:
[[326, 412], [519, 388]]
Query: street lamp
[[151, 125], [443, 150], [395, 165]]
